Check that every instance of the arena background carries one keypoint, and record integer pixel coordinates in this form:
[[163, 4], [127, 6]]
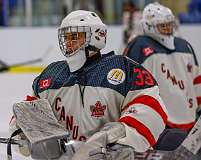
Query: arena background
[[29, 32]]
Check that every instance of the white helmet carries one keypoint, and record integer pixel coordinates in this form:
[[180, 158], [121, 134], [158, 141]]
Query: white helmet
[[159, 23], [95, 33]]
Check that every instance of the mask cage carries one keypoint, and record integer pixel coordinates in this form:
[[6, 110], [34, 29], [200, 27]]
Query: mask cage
[[165, 26], [167, 29], [62, 32]]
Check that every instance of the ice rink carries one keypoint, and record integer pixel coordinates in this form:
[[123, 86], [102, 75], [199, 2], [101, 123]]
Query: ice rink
[[14, 88]]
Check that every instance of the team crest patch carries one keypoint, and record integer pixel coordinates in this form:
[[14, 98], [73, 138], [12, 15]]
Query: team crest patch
[[98, 109], [44, 83], [116, 76], [148, 51]]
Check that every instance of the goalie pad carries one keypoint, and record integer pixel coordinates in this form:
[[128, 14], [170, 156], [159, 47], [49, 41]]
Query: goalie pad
[[38, 123]]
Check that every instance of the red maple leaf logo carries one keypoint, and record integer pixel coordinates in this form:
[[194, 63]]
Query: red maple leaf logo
[[189, 67], [98, 109]]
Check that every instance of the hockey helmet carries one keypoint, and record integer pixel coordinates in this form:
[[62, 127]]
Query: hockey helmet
[[159, 23], [80, 29]]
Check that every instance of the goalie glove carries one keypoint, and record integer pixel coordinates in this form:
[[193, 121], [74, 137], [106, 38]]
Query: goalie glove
[[110, 133], [113, 152]]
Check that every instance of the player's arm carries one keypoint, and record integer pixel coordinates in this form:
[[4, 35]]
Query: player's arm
[[143, 112], [144, 117], [197, 86], [196, 76]]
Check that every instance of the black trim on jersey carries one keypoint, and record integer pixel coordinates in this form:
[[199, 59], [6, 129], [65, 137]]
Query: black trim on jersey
[[192, 51], [82, 94]]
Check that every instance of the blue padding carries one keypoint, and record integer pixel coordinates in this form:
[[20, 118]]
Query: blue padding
[[170, 139]]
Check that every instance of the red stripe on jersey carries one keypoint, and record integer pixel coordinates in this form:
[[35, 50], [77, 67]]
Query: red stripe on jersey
[[140, 127], [198, 100], [197, 80], [12, 119], [151, 102], [30, 98], [186, 127]]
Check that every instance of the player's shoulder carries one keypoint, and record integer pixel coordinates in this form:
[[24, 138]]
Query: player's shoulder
[[142, 47], [139, 77], [143, 40], [182, 45], [52, 76], [136, 76], [111, 60], [54, 69]]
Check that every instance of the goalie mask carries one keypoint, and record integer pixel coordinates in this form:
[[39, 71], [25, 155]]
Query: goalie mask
[[81, 32], [159, 23]]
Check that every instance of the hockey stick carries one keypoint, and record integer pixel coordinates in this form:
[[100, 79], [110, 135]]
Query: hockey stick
[[13, 141], [4, 67], [9, 152]]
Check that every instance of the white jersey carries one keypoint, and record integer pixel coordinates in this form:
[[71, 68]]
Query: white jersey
[[108, 89], [177, 74]]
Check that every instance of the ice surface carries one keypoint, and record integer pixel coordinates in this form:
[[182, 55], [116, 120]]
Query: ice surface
[[13, 88]]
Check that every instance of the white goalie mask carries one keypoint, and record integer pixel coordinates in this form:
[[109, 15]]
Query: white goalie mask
[[78, 30], [159, 23]]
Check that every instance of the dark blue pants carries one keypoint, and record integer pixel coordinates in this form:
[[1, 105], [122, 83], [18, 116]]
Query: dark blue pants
[[170, 139]]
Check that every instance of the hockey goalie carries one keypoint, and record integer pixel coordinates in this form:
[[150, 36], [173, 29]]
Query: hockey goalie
[[172, 61], [105, 102]]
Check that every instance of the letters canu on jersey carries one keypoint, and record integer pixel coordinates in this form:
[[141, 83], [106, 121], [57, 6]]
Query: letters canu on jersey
[[69, 121], [172, 77]]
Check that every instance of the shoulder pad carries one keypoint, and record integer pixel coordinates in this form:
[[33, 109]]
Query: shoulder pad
[[51, 76], [184, 46], [142, 47], [139, 77]]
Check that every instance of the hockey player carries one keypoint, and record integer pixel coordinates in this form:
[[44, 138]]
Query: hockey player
[[172, 62], [100, 99]]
